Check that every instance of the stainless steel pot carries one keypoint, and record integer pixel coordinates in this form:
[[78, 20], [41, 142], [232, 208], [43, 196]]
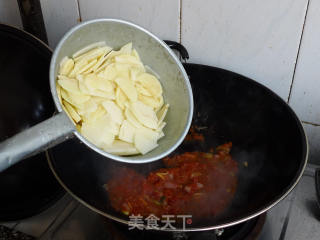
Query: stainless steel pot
[[153, 52]]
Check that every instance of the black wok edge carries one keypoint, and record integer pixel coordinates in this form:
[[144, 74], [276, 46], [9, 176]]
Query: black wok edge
[[271, 140], [178, 47], [29, 187], [317, 182]]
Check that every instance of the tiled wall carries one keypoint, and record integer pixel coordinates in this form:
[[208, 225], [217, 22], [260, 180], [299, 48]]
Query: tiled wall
[[274, 42], [9, 13]]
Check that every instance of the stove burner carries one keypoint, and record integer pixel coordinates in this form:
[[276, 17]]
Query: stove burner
[[249, 230]]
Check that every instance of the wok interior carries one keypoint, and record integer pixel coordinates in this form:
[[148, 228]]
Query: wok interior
[[264, 131]]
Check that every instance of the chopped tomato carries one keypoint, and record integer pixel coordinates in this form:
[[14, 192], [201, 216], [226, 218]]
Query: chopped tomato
[[196, 183], [193, 135]]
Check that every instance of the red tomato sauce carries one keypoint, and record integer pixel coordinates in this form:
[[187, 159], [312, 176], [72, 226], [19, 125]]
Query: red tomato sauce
[[196, 183]]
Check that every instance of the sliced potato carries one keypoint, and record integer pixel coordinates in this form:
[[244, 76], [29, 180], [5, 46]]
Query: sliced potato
[[78, 98], [88, 48], [114, 111], [161, 101], [161, 135], [86, 67], [134, 73], [77, 67], [66, 66], [97, 135], [67, 112], [161, 126], [111, 99], [101, 60], [98, 100], [94, 82], [127, 59], [128, 88], [123, 69], [59, 93], [92, 54], [121, 98], [150, 70], [143, 143], [107, 95], [122, 148], [151, 83], [82, 86], [150, 101], [162, 113], [132, 119], [105, 85], [110, 72], [145, 114], [62, 62], [142, 90], [73, 99], [148, 133], [69, 84], [126, 49], [88, 107], [73, 113], [107, 122], [103, 66], [92, 117], [135, 54], [127, 131]]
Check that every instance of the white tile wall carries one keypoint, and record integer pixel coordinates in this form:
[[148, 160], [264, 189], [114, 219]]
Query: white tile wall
[[59, 16], [159, 17], [277, 214], [9, 13], [313, 133], [258, 39], [305, 97], [304, 223]]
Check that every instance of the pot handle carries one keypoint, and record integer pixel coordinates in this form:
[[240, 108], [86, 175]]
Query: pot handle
[[180, 48], [317, 184], [36, 139]]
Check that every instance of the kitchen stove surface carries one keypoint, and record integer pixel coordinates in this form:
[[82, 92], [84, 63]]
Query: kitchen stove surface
[[96, 227], [297, 217]]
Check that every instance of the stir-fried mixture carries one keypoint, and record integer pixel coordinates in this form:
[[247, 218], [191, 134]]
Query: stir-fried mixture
[[196, 183]]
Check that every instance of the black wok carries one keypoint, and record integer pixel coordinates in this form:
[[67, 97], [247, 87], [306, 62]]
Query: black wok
[[264, 130], [28, 187]]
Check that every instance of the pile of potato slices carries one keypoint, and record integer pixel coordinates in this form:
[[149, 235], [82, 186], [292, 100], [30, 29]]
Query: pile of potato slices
[[112, 97]]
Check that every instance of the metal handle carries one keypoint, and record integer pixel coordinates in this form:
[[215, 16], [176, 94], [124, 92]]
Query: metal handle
[[179, 47], [317, 179], [35, 139]]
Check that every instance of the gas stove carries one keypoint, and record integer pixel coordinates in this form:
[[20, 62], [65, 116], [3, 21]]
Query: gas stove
[[296, 217]]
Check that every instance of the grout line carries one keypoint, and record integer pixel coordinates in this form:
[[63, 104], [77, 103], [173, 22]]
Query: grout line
[[297, 57], [180, 22], [310, 123], [79, 12]]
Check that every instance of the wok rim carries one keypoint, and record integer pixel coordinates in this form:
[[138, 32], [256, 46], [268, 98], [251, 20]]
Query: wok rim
[[296, 179]]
